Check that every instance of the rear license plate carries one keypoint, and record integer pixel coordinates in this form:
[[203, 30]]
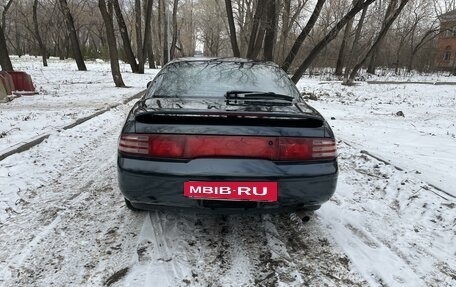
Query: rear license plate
[[249, 191]]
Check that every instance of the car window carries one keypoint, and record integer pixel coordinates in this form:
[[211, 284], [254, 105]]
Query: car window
[[214, 79]]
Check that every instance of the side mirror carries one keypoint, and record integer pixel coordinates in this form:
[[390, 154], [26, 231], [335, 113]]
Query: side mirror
[[149, 84]]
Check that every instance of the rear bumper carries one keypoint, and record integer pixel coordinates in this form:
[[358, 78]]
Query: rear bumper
[[159, 184]]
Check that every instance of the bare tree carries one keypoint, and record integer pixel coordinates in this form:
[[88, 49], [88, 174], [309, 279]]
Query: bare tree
[[125, 37], [332, 34], [343, 44], [73, 36], [373, 57], [270, 27], [378, 40], [5, 61], [5, 10], [107, 14], [187, 34], [303, 35], [174, 24], [254, 33], [355, 44], [233, 39], [292, 30], [138, 30], [288, 20], [38, 34], [163, 6], [147, 34], [427, 37]]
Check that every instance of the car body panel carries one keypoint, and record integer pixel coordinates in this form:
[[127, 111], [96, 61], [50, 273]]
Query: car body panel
[[158, 183], [298, 186]]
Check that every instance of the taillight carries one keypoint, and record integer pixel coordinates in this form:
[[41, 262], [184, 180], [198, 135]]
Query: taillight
[[135, 144], [167, 146], [199, 146], [306, 148], [324, 148]]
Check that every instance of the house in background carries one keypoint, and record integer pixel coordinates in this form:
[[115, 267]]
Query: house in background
[[446, 54]]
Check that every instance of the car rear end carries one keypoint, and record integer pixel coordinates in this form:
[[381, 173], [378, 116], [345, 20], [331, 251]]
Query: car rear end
[[226, 159]]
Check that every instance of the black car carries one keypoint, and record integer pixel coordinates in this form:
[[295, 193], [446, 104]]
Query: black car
[[225, 135]]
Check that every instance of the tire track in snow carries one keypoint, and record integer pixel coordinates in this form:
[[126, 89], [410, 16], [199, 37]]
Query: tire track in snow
[[178, 249], [62, 200], [307, 249], [55, 215], [166, 251], [393, 230], [17, 259], [367, 248], [244, 237], [285, 271], [211, 241], [437, 190]]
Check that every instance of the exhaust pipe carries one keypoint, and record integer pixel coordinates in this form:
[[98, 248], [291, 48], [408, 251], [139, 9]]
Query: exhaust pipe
[[305, 215]]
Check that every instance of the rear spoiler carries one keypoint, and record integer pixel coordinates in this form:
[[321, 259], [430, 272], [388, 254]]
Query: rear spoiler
[[198, 117], [242, 114]]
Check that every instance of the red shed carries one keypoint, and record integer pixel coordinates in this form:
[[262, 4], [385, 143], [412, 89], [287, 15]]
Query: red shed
[[23, 83]]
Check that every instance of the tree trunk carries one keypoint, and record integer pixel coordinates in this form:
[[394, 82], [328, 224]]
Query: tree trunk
[[165, 32], [73, 36], [398, 54], [328, 38], [112, 45], [373, 59], [371, 66], [125, 37], [138, 30], [151, 56], [254, 32], [269, 38], [284, 30], [233, 39], [147, 32], [421, 44], [5, 61], [174, 36], [258, 41], [38, 34], [341, 57], [303, 35], [5, 10], [17, 39], [379, 39], [354, 47]]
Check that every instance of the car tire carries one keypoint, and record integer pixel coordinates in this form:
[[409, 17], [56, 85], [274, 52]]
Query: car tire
[[130, 206]]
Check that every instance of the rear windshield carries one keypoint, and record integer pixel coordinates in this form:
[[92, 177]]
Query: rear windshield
[[214, 79]]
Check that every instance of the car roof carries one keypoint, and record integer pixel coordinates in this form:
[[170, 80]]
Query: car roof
[[221, 59]]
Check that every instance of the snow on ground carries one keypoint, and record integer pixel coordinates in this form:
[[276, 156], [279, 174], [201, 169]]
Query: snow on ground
[[327, 74], [63, 96], [63, 221], [422, 141]]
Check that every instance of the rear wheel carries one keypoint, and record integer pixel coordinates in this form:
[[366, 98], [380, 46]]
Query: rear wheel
[[130, 206]]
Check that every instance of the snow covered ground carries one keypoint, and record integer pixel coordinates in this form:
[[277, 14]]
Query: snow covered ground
[[65, 94], [63, 221], [411, 125]]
